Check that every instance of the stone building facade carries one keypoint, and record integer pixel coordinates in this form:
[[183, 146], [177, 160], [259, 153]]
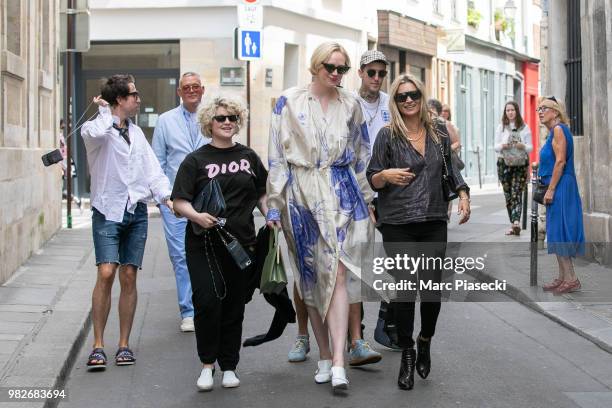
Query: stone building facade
[[30, 194]]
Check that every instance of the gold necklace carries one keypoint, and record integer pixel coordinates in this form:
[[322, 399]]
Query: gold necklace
[[416, 139]]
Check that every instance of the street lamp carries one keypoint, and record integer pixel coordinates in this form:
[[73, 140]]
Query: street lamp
[[510, 9]]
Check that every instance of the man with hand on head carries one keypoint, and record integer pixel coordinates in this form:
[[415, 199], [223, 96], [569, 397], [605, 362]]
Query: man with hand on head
[[177, 133], [125, 174]]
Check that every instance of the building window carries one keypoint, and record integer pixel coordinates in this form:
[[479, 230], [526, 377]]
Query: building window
[[333, 5], [436, 6], [13, 27], [442, 82], [44, 34], [442, 74], [454, 10], [156, 69], [573, 67], [487, 87], [418, 73]]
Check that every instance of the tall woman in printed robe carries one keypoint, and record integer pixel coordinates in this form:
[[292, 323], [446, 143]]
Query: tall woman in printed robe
[[318, 192]]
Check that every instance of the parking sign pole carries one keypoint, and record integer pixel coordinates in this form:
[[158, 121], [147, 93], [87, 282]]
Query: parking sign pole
[[250, 20], [248, 101]]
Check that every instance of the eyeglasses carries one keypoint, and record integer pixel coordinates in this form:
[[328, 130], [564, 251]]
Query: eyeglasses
[[372, 73], [542, 109], [191, 88], [135, 94], [223, 118], [342, 69], [414, 96]]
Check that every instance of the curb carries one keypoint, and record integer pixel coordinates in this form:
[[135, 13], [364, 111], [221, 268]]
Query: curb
[[60, 381], [518, 295], [62, 332]]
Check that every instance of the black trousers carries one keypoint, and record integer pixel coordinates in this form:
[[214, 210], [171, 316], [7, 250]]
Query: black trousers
[[218, 305], [396, 241]]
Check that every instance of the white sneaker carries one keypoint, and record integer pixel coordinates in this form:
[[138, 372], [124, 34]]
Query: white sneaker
[[230, 380], [187, 325], [205, 381], [323, 374], [338, 378]]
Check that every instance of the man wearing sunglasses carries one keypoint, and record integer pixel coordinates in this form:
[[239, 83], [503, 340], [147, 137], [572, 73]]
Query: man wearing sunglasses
[[374, 102], [177, 133], [375, 107], [125, 175]]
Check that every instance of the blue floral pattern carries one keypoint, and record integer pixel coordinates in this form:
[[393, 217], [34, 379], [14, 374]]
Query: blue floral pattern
[[317, 184]]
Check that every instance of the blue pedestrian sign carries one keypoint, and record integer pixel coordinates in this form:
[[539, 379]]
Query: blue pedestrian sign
[[249, 44]]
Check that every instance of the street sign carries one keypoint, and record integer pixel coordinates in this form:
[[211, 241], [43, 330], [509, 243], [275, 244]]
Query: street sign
[[250, 15], [248, 45]]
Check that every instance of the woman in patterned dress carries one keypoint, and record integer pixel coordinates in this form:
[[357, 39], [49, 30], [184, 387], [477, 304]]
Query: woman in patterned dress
[[319, 195]]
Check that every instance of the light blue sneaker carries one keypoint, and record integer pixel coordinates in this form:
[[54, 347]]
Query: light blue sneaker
[[300, 349], [363, 354]]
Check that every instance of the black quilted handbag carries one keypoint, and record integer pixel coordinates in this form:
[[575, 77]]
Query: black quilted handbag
[[210, 200]]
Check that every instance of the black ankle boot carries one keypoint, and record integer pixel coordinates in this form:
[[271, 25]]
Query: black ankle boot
[[423, 362], [405, 379]]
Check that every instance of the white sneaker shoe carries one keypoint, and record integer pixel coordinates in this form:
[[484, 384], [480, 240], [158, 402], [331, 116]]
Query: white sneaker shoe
[[205, 381], [230, 380], [338, 378], [323, 374], [187, 325]]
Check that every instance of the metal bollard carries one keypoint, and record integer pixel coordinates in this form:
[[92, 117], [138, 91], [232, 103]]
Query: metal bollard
[[524, 205], [533, 248]]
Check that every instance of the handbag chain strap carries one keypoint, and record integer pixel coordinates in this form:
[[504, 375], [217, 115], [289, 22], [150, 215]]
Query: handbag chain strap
[[207, 242], [446, 174]]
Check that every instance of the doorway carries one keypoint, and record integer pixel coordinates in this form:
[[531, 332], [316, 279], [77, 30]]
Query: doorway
[[156, 70]]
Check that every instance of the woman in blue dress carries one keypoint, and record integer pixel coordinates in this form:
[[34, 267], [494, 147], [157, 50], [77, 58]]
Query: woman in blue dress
[[564, 229]]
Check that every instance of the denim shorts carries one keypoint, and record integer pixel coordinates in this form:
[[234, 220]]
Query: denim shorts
[[122, 242]]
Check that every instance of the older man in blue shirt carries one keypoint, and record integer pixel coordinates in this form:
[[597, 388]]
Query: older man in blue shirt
[[177, 134]]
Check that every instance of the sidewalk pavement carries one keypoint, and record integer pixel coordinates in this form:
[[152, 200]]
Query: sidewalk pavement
[[45, 310], [45, 307], [587, 312]]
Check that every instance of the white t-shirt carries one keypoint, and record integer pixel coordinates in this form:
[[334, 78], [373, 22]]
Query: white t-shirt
[[375, 114]]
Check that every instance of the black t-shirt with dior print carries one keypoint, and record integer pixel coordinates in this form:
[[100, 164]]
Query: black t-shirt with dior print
[[242, 178]]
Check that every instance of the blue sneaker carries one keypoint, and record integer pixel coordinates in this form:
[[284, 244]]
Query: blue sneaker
[[363, 354], [300, 349], [381, 336]]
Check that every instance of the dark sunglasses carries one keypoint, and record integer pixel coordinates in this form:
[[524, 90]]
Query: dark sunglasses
[[552, 98], [414, 95], [223, 118], [372, 73], [342, 69], [135, 94]]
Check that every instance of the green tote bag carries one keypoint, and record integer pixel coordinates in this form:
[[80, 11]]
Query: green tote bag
[[273, 276]]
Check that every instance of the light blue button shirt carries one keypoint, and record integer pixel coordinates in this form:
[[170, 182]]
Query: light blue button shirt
[[177, 133]]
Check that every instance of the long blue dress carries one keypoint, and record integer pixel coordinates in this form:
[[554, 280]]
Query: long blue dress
[[564, 229]]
